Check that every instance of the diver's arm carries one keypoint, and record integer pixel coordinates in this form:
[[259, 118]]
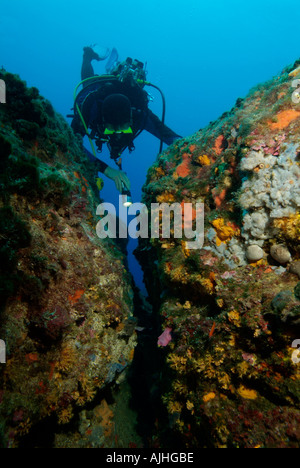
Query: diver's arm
[[101, 166], [87, 70], [155, 126], [119, 177], [77, 126]]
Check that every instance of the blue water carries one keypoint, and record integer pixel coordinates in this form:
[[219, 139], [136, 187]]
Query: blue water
[[203, 55]]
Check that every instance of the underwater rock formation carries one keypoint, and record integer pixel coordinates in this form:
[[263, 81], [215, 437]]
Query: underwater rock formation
[[66, 297], [233, 306]]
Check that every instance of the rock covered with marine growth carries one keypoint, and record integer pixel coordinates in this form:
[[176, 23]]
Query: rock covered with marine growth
[[233, 307], [66, 298]]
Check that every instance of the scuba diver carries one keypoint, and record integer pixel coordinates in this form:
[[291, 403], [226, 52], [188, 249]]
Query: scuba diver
[[112, 109]]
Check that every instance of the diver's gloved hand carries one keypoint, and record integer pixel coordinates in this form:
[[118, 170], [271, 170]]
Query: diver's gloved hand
[[91, 54], [119, 178]]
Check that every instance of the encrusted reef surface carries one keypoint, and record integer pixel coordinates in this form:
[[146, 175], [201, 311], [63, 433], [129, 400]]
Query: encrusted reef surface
[[66, 297], [230, 310]]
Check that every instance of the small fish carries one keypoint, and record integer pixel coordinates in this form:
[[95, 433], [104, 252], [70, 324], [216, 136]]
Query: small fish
[[100, 183]]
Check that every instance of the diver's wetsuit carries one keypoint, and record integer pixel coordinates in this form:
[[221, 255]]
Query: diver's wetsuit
[[90, 101]]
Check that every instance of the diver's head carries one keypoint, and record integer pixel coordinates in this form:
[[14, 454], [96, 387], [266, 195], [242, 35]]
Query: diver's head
[[117, 114]]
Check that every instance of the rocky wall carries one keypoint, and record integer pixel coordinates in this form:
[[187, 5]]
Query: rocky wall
[[230, 310], [66, 297]]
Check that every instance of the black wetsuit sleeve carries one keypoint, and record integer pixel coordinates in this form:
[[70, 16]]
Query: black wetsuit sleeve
[[100, 165], [155, 126], [77, 126]]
